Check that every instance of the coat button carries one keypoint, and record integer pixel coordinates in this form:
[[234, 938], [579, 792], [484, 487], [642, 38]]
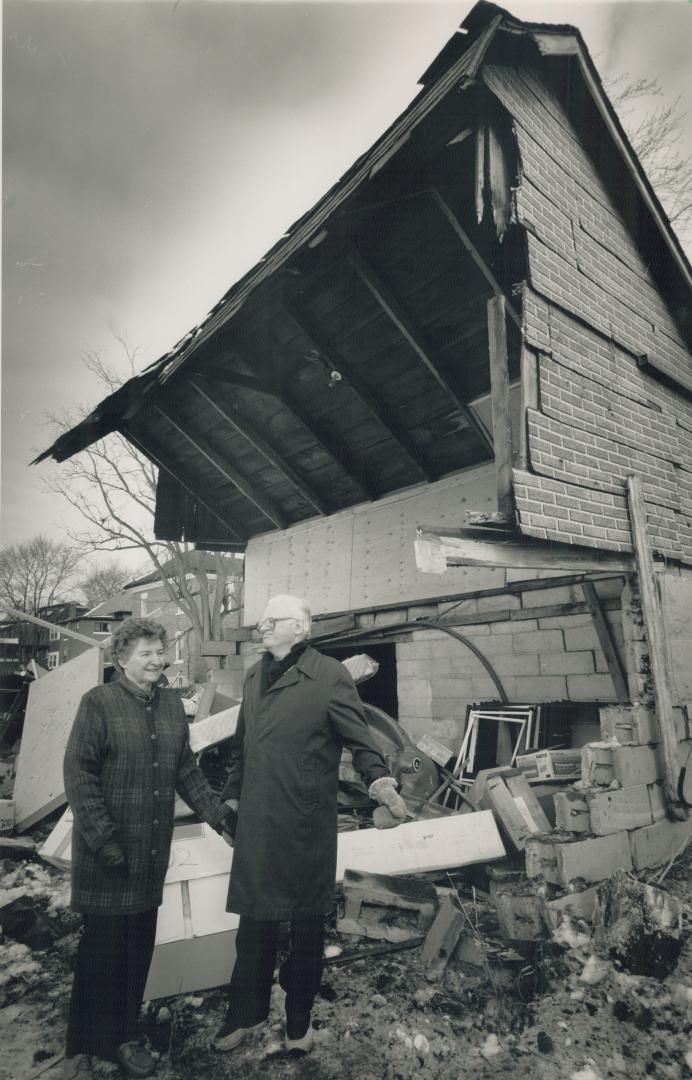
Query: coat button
[[148, 708], [156, 793], [155, 821], [156, 764], [153, 736], [153, 851]]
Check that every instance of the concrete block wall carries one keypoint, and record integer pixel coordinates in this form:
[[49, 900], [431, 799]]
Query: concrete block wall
[[546, 659], [591, 310]]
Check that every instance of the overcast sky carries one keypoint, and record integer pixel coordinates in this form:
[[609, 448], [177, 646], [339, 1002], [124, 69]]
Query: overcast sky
[[153, 151]]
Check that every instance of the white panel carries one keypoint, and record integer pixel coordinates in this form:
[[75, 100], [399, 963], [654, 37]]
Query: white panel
[[416, 846], [39, 787], [676, 596], [365, 557], [197, 856], [312, 561], [208, 906], [170, 925]]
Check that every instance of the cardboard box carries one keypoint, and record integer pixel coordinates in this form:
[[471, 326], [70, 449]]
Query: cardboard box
[[6, 815], [559, 764]]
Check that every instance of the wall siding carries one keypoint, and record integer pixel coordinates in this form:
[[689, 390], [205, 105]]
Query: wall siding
[[591, 309]]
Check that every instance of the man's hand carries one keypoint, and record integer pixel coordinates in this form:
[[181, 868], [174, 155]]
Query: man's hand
[[112, 858], [383, 790]]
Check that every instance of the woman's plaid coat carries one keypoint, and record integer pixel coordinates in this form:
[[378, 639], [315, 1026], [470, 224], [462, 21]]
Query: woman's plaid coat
[[127, 755]]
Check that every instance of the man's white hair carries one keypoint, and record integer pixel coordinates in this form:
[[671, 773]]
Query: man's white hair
[[285, 599]]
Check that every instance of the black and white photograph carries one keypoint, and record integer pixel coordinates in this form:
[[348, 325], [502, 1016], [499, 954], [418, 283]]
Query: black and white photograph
[[346, 550]]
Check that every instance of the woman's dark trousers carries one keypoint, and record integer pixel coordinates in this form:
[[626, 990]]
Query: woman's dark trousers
[[113, 958], [299, 975]]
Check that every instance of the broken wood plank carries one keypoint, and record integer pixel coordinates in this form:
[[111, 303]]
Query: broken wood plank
[[435, 551], [25, 617], [606, 641], [499, 390], [653, 621], [443, 936]]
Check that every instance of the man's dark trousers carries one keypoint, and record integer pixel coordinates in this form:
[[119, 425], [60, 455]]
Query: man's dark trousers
[[300, 974]]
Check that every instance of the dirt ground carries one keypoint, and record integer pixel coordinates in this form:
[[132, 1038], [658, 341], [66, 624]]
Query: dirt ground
[[558, 1012]]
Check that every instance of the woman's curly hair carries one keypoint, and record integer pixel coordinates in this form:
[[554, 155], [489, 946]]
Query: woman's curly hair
[[131, 630]]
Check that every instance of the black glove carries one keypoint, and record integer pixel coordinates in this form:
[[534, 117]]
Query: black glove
[[112, 858], [228, 823]]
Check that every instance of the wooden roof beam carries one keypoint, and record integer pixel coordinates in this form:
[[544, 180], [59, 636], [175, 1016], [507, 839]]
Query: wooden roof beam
[[232, 416], [414, 336], [181, 477], [200, 444], [473, 252], [334, 360]]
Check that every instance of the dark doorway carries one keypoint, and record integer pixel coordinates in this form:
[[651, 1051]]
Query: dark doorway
[[380, 690]]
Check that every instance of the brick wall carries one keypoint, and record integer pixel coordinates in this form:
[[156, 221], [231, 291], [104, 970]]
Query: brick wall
[[591, 309]]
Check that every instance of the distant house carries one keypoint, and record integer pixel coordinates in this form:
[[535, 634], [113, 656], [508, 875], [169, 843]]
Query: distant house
[[25, 641], [147, 597]]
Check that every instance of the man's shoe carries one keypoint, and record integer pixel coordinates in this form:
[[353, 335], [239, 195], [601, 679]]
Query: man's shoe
[[229, 1037], [77, 1067], [135, 1060], [302, 1043]]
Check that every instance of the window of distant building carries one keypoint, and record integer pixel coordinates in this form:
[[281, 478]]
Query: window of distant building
[[143, 598], [101, 628], [178, 649], [54, 634], [52, 660]]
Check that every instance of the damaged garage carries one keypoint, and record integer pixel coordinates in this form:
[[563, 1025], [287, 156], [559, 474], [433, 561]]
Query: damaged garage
[[452, 408]]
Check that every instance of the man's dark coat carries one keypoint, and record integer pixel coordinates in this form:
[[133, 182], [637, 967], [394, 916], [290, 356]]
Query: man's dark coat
[[284, 858], [127, 754]]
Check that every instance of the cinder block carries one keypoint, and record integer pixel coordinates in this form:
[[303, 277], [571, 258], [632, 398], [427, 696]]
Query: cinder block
[[581, 638], [520, 627], [590, 688], [657, 843], [566, 663], [571, 811], [541, 688], [593, 858], [561, 594], [623, 808], [510, 664], [629, 765], [499, 603], [539, 641], [629, 723], [579, 904]]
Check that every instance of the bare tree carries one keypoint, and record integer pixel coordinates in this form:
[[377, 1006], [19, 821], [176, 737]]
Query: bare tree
[[33, 576], [113, 487], [103, 581], [656, 131]]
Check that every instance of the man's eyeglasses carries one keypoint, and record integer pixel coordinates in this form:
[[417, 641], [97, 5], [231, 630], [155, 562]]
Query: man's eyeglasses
[[269, 624]]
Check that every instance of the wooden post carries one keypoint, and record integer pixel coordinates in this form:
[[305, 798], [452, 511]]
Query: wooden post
[[651, 611], [605, 638], [499, 386]]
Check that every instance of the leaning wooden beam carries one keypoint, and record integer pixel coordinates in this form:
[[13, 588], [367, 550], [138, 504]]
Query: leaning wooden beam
[[414, 336], [606, 641], [23, 616], [436, 551], [653, 622], [337, 362], [239, 423], [179, 475], [473, 252], [266, 506], [499, 393]]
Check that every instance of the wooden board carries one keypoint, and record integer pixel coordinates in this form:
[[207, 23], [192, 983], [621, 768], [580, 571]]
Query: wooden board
[[39, 788]]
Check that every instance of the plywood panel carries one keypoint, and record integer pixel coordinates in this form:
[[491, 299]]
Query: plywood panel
[[365, 557], [51, 708], [312, 561]]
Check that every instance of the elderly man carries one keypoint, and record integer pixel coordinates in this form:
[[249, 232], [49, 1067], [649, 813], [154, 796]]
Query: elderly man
[[299, 709]]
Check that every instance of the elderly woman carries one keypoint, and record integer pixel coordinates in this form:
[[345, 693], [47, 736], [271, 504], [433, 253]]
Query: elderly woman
[[127, 755]]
